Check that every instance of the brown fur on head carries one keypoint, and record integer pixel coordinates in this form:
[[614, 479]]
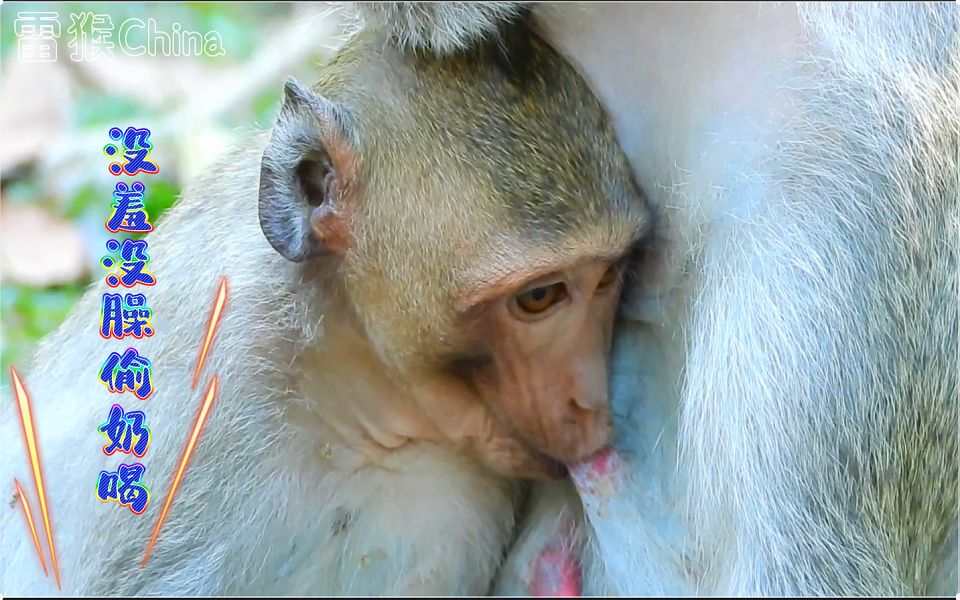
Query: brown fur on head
[[438, 190]]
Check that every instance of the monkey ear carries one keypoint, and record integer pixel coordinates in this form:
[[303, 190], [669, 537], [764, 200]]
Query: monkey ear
[[306, 168]]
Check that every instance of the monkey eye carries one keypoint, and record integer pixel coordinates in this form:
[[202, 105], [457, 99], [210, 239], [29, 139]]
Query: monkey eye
[[537, 300], [610, 277]]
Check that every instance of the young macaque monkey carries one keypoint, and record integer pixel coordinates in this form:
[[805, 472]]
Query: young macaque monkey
[[784, 375], [429, 325]]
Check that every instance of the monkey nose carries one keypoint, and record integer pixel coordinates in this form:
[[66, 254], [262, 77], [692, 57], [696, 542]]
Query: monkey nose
[[579, 409], [590, 426], [587, 402]]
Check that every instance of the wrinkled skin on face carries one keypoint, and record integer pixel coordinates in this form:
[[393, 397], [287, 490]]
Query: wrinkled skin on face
[[532, 364], [541, 359]]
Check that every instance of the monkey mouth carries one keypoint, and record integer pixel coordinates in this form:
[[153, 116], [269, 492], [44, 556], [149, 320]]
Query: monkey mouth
[[598, 474], [552, 468], [547, 467], [541, 465]]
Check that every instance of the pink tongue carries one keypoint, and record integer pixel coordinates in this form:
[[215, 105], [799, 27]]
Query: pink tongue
[[597, 475]]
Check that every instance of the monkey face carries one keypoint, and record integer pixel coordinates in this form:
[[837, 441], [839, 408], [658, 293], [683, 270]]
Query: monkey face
[[474, 251], [538, 357], [525, 377]]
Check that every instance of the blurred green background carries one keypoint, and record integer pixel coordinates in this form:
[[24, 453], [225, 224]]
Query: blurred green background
[[55, 192]]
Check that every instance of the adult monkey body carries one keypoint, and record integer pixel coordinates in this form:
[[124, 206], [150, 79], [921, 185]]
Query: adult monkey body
[[794, 365], [445, 331]]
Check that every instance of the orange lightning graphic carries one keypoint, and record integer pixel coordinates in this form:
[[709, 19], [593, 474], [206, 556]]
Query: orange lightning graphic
[[26, 418], [214, 321], [33, 528], [204, 410]]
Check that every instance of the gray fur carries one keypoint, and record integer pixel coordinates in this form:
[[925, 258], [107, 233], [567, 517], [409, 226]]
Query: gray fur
[[283, 495], [792, 408], [443, 27]]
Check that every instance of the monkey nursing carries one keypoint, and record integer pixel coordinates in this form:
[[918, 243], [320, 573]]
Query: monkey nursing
[[785, 388], [429, 324]]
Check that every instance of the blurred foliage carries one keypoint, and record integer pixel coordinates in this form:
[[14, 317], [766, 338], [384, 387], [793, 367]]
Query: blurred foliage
[[237, 22], [29, 313]]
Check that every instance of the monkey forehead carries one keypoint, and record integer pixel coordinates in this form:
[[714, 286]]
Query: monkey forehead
[[526, 130], [538, 144]]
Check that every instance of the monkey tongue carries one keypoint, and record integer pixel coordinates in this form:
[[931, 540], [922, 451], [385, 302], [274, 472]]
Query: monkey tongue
[[598, 476]]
